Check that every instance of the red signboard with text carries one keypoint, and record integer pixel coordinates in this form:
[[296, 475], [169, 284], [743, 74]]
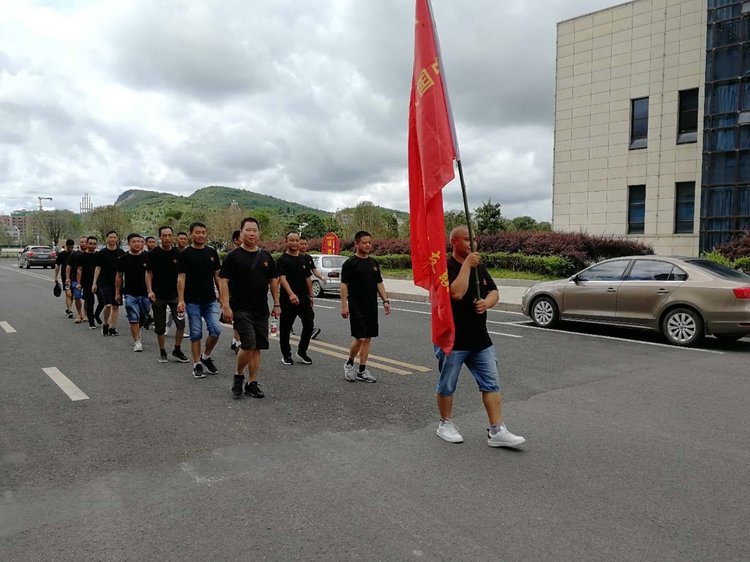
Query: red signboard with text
[[331, 244]]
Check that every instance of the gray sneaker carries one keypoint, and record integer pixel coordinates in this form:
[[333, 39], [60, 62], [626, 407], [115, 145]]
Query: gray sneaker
[[350, 372], [366, 376], [447, 431], [504, 438]]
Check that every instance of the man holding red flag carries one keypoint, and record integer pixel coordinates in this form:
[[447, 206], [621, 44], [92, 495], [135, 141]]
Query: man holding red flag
[[432, 149]]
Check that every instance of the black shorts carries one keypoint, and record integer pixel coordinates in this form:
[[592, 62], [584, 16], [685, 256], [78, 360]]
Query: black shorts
[[252, 328], [106, 294], [364, 326], [159, 309]]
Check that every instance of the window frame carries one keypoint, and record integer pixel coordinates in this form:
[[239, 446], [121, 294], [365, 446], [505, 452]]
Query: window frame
[[633, 227], [681, 226], [686, 132], [640, 141]]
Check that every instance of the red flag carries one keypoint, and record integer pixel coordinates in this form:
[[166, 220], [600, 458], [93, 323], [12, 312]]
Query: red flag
[[431, 154]]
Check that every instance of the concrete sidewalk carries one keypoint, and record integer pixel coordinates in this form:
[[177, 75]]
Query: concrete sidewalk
[[511, 291]]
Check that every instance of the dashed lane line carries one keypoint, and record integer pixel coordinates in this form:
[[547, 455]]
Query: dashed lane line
[[7, 327], [343, 352], [65, 384], [503, 334]]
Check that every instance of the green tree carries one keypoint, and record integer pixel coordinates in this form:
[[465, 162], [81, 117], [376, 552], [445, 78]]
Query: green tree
[[524, 223], [370, 218], [489, 218], [332, 225], [221, 224], [309, 224], [545, 226], [53, 225], [103, 219]]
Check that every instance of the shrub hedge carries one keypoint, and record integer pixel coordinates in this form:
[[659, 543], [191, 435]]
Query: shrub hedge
[[738, 247]]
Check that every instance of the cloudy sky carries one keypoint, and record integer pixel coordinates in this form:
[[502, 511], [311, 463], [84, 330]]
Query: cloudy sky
[[306, 100]]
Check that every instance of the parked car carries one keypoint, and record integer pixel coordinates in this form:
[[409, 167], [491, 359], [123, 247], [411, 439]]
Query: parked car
[[37, 255], [683, 298], [330, 268]]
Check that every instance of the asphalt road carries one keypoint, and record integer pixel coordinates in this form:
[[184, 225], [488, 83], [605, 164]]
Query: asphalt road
[[635, 450]]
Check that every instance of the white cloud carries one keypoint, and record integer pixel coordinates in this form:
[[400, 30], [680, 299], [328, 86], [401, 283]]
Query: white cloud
[[302, 100]]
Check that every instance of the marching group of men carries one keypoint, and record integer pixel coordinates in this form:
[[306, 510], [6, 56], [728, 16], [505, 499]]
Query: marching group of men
[[179, 283]]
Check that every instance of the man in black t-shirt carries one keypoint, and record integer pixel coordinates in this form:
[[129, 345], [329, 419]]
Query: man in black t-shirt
[[161, 284], [130, 287], [85, 277], [361, 283], [473, 346], [313, 271], [71, 272], [61, 273], [197, 282], [251, 272], [105, 275], [296, 300]]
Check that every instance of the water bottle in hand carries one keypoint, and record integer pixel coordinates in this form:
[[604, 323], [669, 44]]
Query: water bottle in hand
[[274, 329], [180, 316]]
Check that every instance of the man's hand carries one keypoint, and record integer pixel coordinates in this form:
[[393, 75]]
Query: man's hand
[[480, 305], [294, 299], [473, 259], [344, 310], [93, 288], [227, 313], [151, 296], [181, 307], [387, 308]]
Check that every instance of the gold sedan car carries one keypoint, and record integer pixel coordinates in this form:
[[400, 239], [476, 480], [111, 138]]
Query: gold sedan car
[[683, 298]]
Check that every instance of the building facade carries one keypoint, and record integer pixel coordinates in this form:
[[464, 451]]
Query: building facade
[[649, 114]]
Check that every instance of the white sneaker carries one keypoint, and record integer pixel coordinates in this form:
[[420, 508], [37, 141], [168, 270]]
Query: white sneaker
[[166, 331], [447, 431], [138, 346], [350, 372], [504, 438], [366, 376]]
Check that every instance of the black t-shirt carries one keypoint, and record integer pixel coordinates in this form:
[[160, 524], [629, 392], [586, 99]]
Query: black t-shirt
[[249, 284], [296, 270], [106, 259], [62, 261], [199, 266], [163, 264], [73, 263], [362, 276], [471, 328], [310, 263], [86, 261], [133, 269]]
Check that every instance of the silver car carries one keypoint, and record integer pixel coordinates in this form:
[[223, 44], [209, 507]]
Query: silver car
[[683, 298], [43, 256], [330, 268]]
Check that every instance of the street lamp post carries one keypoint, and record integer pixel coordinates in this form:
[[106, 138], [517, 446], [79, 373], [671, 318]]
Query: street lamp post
[[40, 210]]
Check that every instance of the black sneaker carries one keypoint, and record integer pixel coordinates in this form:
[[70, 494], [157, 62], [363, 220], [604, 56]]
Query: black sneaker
[[180, 356], [105, 330], [254, 390], [237, 386], [113, 332], [234, 347], [209, 364], [304, 358], [163, 356], [198, 372], [70, 314], [287, 360], [315, 333]]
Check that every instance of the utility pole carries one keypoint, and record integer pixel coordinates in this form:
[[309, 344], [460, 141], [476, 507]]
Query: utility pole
[[40, 210]]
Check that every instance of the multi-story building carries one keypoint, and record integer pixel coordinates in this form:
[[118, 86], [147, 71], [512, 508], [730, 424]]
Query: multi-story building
[[652, 123]]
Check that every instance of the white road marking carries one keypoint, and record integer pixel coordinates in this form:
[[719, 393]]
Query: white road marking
[[65, 384], [29, 273], [7, 327], [614, 338], [504, 334]]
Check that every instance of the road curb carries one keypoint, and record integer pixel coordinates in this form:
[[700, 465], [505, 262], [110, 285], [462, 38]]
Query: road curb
[[504, 306]]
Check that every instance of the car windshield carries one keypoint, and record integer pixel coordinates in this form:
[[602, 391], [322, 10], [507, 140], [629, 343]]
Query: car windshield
[[719, 270], [333, 261]]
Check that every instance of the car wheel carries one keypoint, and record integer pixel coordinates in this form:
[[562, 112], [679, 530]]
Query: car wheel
[[317, 289], [683, 326], [544, 312], [729, 337]]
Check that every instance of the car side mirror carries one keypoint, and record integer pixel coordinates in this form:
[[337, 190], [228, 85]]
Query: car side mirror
[[575, 279]]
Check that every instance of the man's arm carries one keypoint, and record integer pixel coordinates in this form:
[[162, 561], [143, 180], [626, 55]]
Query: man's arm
[[308, 282], [118, 286], [79, 274], [384, 296], [57, 271], [316, 272], [344, 300], [460, 284], [181, 292], [150, 285], [294, 299], [226, 311], [274, 285], [97, 272]]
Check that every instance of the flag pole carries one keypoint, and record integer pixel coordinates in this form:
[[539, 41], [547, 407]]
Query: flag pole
[[468, 224], [455, 140]]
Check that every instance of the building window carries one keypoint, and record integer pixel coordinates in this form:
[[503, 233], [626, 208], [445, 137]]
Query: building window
[[687, 126], [639, 123], [684, 196], [636, 209]]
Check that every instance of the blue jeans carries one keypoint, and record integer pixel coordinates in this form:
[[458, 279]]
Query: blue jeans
[[136, 308], [482, 364], [196, 313]]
